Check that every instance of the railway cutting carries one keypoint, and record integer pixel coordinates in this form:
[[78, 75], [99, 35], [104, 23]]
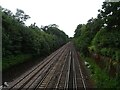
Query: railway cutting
[[60, 70]]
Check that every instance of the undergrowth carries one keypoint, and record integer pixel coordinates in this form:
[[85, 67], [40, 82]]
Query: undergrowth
[[100, 76], [12, 60]]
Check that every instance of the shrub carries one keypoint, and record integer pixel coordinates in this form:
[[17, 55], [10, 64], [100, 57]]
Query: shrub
[[12, 60]]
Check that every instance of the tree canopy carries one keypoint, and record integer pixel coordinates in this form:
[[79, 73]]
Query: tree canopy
[[101, 36], [17, 38]]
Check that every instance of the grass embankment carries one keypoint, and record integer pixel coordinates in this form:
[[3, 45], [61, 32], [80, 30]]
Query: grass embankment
[[12, 60], [100, 76]]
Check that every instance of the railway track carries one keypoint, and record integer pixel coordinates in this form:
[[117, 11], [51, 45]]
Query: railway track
[[59, 70]]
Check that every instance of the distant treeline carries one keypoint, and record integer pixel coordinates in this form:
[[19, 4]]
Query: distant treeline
[[19, 39]]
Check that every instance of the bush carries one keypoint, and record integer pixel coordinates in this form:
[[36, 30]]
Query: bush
[[118, 55], [14, 60], [106, 43], [107, 39]]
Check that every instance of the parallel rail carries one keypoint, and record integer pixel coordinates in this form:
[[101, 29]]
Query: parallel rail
[[59, 70], [51, 73], [78, 70], [27, 77]]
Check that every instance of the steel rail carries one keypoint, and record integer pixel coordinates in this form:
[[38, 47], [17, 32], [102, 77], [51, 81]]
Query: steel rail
[[36, 68], [62, 65], [74, 73], [68, 73], [82, 78], [39, 76], [44, 70], [37, 86], [57, 85]]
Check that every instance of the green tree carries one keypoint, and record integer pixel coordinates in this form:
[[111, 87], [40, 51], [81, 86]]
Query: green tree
[[21, 16], [78, 31], [110, 14], [21, 42]]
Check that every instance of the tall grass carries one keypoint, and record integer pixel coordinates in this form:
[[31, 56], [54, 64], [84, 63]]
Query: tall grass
[[100, 76]]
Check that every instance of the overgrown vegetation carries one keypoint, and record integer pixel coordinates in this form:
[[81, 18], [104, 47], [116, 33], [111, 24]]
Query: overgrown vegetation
[[13, 60], [20, 42], [101, 36], [101, 78]]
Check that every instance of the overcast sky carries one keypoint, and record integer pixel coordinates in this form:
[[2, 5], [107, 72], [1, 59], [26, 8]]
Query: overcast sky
[[67, 14]]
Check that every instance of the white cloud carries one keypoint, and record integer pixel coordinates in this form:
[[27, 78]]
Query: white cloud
[[65, 13]]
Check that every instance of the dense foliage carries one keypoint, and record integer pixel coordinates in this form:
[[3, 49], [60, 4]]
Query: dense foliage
[[20, 40], [86, 33], [101, 36]]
